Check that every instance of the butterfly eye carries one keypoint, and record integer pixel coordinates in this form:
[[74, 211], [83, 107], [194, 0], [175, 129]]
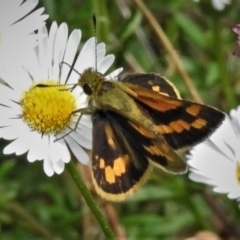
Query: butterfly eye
[[87, 89]]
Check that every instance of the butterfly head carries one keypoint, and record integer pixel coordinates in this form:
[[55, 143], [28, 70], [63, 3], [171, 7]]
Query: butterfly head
[[90, 81]]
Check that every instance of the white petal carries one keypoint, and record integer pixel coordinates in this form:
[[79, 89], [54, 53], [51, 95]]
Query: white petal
[[206, 160], [7, 97], [65, 154], [105, 63], [225, 131], [101, 51], [42, 52], [14, 131], [71, 49], [113, 75], [48, 167], [86, 121], [31, 23], [198, 178], [7, 6], [39, 147], [20, 145], [86, 58], [85, 131], [235, 193], [58, 166], [50, 47], [219, 4], [59, 49], [56, 149], [16, 22], [25, 8], [81, 139], [77, 150]]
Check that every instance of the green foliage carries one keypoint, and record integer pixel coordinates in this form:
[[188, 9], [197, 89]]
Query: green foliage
[[33, 206]]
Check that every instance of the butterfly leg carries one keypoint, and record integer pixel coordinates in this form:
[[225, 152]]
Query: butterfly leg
[[83, 111]]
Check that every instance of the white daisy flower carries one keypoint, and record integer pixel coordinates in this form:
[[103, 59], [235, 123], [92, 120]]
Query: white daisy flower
[[17, 27], [32, 113], [218, 4], [216, 161]]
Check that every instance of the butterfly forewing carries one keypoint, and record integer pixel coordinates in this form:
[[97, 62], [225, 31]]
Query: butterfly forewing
[[153, 82], [117, 165], [181, 123]]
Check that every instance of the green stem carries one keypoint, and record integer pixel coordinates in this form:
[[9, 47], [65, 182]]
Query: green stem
[[90, 201], [0, 231]]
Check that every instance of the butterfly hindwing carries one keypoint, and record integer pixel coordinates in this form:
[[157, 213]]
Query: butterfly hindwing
[[122, 161], [181, 123], [116, 167]]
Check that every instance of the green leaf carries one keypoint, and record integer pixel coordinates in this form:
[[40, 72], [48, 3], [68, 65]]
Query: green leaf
[[191, 29]]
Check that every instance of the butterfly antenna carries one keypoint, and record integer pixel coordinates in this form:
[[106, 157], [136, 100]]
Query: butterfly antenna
[[95, 34]]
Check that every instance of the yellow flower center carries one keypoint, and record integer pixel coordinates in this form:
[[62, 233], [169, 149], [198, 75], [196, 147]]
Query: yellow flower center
[[47, 107], [238, 172]]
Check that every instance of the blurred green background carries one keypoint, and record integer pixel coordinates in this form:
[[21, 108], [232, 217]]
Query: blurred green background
[[168, 207]]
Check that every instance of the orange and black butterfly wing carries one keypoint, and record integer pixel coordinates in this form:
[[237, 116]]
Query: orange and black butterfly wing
[[154, 82], [181, 123], [186, 125], [121, 162]]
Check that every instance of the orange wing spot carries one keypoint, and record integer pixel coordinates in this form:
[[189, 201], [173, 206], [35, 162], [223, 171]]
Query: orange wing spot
[[110, 136], [143, 130], [176, 126], [162, 105], [164, 94], [111, 142], [194, 109], [184, 124], [164, 147], [109, 174], [119, 166], [102, 163], [156, 88], [167, 152], [162, 150], [164, 129], [154, 150], [199, 123]]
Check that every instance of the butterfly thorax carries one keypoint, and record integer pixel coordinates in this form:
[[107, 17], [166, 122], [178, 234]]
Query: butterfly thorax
[[113, 96], [103, 93]]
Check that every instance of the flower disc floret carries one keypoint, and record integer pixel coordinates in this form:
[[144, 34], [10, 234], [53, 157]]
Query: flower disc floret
[[47, 107]]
